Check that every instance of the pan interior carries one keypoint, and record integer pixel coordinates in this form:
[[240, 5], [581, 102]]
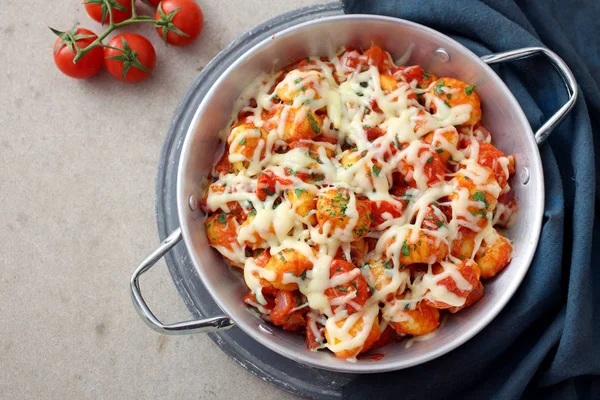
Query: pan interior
[[414, 44]]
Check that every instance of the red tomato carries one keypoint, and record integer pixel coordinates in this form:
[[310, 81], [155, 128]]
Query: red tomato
[[64, 52], [488, 156], [324, 138], [282, 314], [131, 59], [267, 184], [444, 206], [433, 169], [310, 338], [261, 258], [471, 273], [381, 207], [373, 133], [250, 299], [352, 58], [378, 57], [223, 166], [180, 21], [358, 285], [434, 220], [415, 72], [98, 10]]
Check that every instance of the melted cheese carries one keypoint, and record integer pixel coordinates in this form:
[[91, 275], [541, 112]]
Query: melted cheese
[[351, 102]]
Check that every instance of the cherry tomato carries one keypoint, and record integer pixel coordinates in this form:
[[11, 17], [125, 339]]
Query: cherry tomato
[[64, 52], [98, 10], [180, 21], [131, 58]]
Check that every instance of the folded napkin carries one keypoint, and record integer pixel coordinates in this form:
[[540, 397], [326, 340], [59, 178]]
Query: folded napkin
[[546, 342]]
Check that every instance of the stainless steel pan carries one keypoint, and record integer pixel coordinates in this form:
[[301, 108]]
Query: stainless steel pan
[[417, 44]]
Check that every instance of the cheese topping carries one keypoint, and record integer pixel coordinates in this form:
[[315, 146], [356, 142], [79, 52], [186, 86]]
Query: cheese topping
[[353, 158]]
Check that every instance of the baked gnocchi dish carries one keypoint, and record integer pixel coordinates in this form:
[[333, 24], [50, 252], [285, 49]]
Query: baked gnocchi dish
[[360, 200]]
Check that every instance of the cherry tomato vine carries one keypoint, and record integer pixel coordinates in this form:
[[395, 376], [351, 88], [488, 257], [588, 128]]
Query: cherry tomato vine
[[177, 22]]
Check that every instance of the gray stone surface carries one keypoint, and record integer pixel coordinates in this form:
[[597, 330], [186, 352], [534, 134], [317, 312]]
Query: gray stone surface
[[77, 166]]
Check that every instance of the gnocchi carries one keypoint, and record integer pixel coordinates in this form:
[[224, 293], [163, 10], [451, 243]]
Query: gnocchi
[[360, 199]]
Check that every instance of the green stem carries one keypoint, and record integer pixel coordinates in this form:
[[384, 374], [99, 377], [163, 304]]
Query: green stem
[[133, 20], [133, 12]]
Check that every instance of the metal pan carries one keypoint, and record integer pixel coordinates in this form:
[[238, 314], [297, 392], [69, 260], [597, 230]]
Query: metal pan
[[419, 45]]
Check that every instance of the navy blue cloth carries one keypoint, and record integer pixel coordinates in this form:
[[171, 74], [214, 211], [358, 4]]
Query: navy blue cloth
[[546, 342]]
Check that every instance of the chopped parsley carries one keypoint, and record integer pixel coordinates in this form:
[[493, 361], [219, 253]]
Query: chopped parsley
[[426, 75], [303, 274], [376, 170], [243, 142], [252, 213], [447, 104], [299, 192], [480, 196], [364, 84], [469, 90], [439, 151], [313, 123], [387, 264], [429, 160], [438, 87], [268, 192], [222, 218], [407, 306], [405, 249], [342, 289], [439, 224], [298, 80], [307, 59]]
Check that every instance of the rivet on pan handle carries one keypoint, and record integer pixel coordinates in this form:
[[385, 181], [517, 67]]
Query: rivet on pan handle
[[565, 73], [197, 326]]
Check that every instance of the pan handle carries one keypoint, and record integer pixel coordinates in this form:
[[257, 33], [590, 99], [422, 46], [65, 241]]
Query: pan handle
[[213, 324], [565, 73]]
